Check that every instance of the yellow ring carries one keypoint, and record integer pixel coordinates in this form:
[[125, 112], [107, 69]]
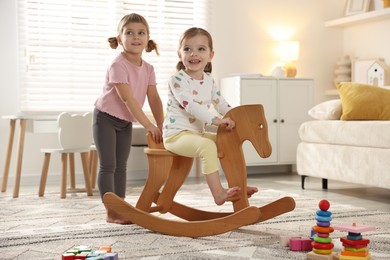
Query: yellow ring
[[322, 251]]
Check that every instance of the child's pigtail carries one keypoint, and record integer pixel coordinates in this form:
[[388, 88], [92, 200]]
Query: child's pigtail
[[113, 41], [180, 66], [152, 46], [208, 67]]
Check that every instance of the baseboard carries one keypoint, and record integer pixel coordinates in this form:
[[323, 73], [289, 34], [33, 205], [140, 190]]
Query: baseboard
[[134, 175], [270, 169]]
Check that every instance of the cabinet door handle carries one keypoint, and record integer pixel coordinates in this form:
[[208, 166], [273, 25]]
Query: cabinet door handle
[[282, 120], [275, 120]]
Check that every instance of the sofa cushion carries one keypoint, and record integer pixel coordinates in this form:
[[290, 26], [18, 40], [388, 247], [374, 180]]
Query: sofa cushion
[[328, 110], [363, 133], [364, 102]]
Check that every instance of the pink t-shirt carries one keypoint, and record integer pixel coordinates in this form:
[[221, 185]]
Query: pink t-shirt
[[137, 77]]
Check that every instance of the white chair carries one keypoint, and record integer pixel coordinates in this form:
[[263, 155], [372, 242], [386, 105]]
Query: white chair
[[75, 136]]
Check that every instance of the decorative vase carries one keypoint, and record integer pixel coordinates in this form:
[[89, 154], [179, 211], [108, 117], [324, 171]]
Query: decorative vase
[[278, 72], [343, 70]]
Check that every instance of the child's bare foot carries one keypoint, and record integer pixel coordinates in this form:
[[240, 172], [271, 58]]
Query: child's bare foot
[[251, 190], [113, 217], [225, 194]]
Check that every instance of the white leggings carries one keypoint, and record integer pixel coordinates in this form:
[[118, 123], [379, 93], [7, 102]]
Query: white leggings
[[192, 144]]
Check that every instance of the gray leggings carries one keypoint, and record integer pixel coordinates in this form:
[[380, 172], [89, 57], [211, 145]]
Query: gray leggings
[[112, 138]]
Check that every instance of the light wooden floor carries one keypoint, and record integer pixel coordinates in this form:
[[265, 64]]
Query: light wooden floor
[[345, 193], [353, 194]]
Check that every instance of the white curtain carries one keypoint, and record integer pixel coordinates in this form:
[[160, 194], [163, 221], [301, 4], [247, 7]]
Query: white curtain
[[64, 51]]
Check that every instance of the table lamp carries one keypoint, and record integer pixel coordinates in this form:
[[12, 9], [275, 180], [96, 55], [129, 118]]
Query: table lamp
[[288, 53]]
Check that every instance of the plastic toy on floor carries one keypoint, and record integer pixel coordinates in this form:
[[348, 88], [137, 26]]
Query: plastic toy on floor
[[85, 252], [168, 171], [322, 242], [355, 246]]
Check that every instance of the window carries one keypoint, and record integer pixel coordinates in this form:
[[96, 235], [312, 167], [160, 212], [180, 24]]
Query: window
[[64, 52]]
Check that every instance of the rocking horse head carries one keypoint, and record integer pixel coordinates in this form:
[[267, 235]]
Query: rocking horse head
[[251, 125]]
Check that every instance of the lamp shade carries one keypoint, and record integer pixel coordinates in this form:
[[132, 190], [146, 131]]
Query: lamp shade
[[288, 50]]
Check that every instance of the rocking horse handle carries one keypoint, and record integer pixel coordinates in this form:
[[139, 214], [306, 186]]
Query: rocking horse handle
[[152, 144]]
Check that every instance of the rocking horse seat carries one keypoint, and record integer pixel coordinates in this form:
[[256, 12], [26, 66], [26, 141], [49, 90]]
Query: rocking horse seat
[[168, 171]]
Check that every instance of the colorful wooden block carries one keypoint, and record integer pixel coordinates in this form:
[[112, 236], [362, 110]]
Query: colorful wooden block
[[300, 244], [67, 256], [354, 243], [85, 252], [313, 256], [346, 257], [111, 256], [355, 247], [105, 248], [355, 228]]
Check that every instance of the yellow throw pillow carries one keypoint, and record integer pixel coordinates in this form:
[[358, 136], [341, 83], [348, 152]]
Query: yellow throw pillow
[[364, 102]]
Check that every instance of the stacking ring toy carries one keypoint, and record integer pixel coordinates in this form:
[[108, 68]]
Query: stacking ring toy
[[359, 237], [323, 219], [323, 229], [323, 234], [323, 213], [322, 251], [322, 246], [323, 223], [323, 240]]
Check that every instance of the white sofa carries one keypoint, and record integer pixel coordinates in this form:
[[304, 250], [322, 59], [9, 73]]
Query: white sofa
[[349, 140], [349, 151]]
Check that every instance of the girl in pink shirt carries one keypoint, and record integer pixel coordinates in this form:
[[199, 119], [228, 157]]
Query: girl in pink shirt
[[129, 80]]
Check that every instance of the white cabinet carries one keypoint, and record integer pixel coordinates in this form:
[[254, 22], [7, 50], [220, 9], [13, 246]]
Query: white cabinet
[[285, 101]]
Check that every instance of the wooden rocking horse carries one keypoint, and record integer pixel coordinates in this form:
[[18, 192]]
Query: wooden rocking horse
[[172, 170]]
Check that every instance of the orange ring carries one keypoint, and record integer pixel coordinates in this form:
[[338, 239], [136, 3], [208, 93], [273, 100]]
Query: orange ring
[[326, 230]]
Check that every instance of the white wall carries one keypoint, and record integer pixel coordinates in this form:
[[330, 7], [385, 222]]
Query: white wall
[[243, 44]]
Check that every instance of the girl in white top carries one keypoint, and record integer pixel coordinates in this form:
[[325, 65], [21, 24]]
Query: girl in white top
[[191, 94]]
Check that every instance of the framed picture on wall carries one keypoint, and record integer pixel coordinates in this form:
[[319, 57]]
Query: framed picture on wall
[[356, 7]]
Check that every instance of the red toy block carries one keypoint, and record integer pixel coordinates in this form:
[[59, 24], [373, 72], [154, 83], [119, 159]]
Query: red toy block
[[80, 256], [67, 256], [300, 244]]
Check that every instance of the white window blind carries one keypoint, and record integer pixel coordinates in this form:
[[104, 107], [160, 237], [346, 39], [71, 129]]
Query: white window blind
[[64, 52]]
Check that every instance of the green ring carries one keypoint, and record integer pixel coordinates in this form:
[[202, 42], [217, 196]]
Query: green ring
[[323, 240]]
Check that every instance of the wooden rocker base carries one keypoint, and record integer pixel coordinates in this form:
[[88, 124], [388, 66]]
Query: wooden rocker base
[[271, 210], [168, 171], [199, 223]]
